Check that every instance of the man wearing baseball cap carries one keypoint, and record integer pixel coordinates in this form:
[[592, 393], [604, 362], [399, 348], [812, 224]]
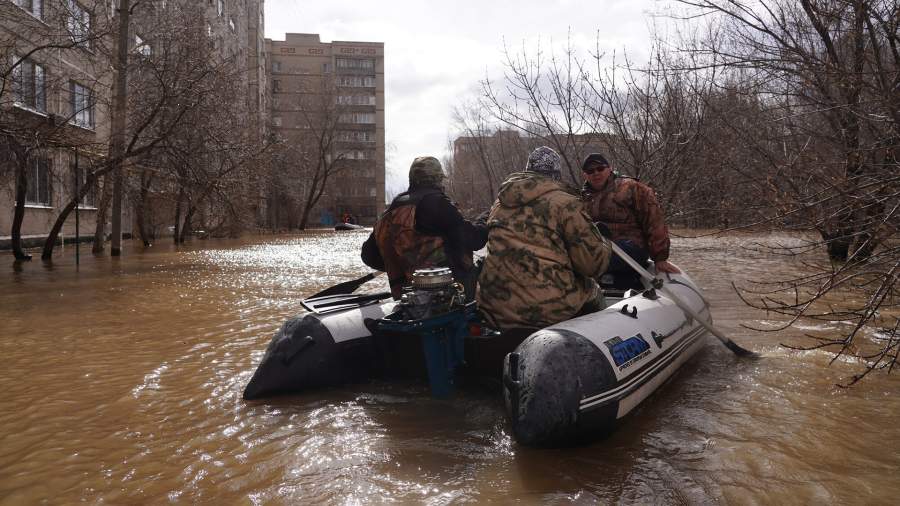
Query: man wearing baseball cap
[[631, 212], [543, 251], [423, 228]]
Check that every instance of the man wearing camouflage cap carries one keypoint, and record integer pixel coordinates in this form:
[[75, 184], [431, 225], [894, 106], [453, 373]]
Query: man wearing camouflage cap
[[423, 228], [543, 250]]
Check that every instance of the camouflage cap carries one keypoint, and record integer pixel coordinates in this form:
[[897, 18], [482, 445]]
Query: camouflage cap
[[426, 171], [544, 160]]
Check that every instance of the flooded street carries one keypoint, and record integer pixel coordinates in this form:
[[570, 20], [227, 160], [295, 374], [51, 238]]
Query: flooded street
[[121, 383]]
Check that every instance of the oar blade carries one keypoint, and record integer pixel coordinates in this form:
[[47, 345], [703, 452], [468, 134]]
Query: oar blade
[[345, 287], [741, 352]]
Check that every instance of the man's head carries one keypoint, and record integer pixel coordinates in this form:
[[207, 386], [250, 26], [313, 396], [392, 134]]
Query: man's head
[[426, 171], [596, 170], [545, 161]]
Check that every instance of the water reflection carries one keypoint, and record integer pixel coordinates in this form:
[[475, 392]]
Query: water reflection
[[122, 383]]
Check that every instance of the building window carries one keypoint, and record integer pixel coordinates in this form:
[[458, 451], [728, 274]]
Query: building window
[[82, 105], [355, 136], [276, 121], [356, 63], [276, 66], [358, 117], [34, 7], [38, 182], [326, 68], [29, 87], [356, 99], [141, 46], [359, 154], [78, 24], [90, 198], [276, 85], [357, 81]]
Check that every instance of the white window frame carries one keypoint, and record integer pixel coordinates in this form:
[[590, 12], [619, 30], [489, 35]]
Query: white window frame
[[78, 24], [142, 47], [90, 198], [33, 7], [37, 185], [82, 102], [33, 93]]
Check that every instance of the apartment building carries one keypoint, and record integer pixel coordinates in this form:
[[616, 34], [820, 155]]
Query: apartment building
[[347, 81], [52, 100], [55, 61]]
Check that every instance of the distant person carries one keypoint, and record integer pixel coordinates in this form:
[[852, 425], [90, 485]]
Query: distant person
[[543, 251], [630, 211], [423, 228]]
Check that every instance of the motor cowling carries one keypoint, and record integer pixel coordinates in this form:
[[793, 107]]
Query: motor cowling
[[433, 292]]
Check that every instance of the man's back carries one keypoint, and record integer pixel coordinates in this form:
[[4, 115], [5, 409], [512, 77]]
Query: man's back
[[543, 252], [423, 228]]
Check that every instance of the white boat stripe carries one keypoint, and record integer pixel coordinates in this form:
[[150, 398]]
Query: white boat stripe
[[627, 384], [641, 378]]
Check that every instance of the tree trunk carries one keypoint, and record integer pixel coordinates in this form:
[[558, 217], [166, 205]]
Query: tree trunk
[[186, 227], [837, 243], [140, 209], [118, 123], [19, 214], [102, 208], [176, 233], [47, 253]]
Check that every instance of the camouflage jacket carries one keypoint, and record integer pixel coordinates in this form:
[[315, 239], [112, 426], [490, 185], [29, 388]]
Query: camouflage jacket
[[402, 248], [630, 209], [543, 253], [423, 228]]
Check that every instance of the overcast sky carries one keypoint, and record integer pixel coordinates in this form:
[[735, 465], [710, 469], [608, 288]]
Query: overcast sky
[[437, 51]]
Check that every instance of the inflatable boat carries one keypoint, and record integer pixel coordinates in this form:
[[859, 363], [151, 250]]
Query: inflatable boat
[[348, 226], [563, 383]]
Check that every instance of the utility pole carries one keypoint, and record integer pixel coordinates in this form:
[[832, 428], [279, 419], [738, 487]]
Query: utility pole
[[117, 135]]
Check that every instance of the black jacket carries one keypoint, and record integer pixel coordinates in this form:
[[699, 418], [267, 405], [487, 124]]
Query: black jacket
[[436, 215]]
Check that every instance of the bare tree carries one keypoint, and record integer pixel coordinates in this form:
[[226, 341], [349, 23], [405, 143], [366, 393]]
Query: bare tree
[[821, 135], [33, 126], [177, 78], [307, 161]]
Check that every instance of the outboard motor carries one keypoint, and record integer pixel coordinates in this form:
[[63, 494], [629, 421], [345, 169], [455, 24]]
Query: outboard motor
[[433, 292], [435, 309]]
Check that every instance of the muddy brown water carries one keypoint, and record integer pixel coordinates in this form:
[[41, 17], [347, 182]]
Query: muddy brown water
[[121, 383]]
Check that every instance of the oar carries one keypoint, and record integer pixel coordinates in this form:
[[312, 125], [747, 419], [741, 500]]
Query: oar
[[346, 286], [658, 284]]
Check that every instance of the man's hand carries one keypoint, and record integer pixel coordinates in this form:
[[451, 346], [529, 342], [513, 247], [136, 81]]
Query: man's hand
[[604, 230], [482, 218], [665, 266]]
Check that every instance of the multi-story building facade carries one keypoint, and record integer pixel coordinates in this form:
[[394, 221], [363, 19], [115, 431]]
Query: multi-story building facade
[[57, 93], [346, 80], [66, 87], [51, 107]]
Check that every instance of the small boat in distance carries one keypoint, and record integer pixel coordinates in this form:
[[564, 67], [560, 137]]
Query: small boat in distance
[[348, 226]]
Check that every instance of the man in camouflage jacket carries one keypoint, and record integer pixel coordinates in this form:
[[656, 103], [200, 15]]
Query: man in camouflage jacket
[[423, 228], [543, 250], [631, 212]]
